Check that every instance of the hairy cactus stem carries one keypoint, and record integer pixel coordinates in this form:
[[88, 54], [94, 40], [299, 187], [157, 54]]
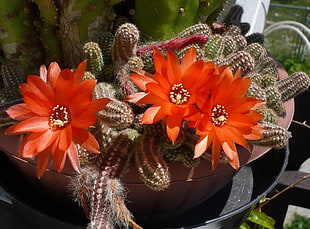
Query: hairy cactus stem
[[125, 41], [174, 44], [152, 168], [275, 136], [117, 114], [293, 85], [116, 157]]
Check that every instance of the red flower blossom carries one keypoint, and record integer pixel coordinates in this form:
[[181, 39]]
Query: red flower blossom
[[174, 89], [228, 118], [58, 107]]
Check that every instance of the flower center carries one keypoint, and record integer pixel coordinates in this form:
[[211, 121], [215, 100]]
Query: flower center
[[219, 115], [178, 94], [59, 118]]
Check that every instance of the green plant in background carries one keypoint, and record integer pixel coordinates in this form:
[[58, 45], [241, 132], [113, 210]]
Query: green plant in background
[[288, 47], [299, 222]]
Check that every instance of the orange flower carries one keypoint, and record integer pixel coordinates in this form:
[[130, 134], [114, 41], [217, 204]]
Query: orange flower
[[228, 118], [57, 109], [174, 89]]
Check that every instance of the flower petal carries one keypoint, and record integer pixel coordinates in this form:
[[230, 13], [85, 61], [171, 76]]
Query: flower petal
[[27, 148], [173, 126], [188, 59], [155, 89], [59, 157], [64, 90], [65, 138], [86, 86], [85, 139], [216, 152], [232, 155], [41, 89], [152, 114], [84, 120], [160, 63], [52, 74], [201, 146], [79, 72], [141, 80], [43, 73], [35, 124], [189, 78], [174, 74], [20, 112], [46, 139], [36, 105], [98, 105], [73, 157], [43, 162]]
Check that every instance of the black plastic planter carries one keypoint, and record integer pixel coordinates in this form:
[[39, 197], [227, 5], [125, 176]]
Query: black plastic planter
[[228, 208]]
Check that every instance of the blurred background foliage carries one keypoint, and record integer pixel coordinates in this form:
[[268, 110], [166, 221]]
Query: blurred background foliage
[[286, 45]]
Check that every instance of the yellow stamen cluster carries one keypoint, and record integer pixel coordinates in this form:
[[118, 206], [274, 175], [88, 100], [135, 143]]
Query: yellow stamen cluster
[[178, 94], [219, 115], [59, 118]]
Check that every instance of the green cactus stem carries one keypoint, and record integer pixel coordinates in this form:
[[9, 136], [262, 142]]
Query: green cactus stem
[[262, 80], [18, 36], [93, 54], [269, 115], [162, 19], [214, 47], [293, 85], [11, 78], [209, 10], [273, 99], [184, 155], [135, 62], [79, 22], [47, 25], [88, 75], [152, 168], [199, 28], [230, 45], [275, 136], [257, 51], [256, 91], [106, 40], [117, 114]]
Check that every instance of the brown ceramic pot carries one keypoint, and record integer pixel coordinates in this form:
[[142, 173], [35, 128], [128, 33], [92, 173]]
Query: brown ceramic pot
[[188, 188]]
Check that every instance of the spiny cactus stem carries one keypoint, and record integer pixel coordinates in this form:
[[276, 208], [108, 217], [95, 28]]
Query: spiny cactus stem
[[174, 44], [116, 157]]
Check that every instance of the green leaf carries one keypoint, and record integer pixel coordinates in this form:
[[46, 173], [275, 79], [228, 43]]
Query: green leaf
[[261, 219], [244, 226]]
